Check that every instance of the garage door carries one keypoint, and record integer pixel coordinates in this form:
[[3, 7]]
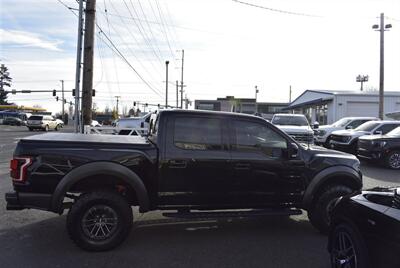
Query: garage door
[[355, 108]]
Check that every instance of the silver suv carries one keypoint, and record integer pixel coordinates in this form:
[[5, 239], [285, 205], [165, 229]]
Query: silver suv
[[43, 122]]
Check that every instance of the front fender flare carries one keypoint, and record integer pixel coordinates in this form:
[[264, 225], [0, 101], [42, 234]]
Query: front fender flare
[[323, 176], [103, 168]]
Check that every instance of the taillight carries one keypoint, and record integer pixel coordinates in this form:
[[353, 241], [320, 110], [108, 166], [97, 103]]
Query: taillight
[[18, 168]]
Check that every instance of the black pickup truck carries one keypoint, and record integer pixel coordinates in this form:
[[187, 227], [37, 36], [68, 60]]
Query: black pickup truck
[[192, 162]]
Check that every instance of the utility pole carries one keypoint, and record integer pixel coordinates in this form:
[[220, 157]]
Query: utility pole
[[117, 104], [78, 66], [62, 98], [183, 57], [166, 84], [87, 83], [290, 94], [177, 94], [381, 28]]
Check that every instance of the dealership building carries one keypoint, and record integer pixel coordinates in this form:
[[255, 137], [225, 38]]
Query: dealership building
[[242, 105], [327, 106]]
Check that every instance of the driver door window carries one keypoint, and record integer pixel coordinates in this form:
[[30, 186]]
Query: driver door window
[[251, 136]]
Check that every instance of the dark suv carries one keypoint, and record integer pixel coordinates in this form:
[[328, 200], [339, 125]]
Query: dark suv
[[194, 162], [382, 148]]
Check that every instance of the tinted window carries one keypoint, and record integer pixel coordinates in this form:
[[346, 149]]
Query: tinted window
[[35, 117], [387, 128], [251, 136], [356, 123], [198, 133]]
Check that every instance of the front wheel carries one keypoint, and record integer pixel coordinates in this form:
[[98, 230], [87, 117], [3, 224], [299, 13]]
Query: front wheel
[[347, 248], [99, 220], [319, 213], [393, 160], [46, 128]]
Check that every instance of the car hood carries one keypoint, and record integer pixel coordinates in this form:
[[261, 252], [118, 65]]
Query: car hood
[[329, 128], [322, 151], [348, 132], [379, 137], [295, 129]]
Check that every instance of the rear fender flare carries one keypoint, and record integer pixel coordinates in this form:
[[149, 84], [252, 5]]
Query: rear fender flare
[[97, 168]]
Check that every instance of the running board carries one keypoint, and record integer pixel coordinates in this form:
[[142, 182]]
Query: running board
[[234, 214]]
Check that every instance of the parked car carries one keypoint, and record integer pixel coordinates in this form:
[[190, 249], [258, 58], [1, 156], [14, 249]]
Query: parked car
[[134, 122], [192, 160], [295, 125], [323, 136], [381, 148], [60, 123], [346, 140], [13, 121], [365, 230], [95, 123], [42, 122]]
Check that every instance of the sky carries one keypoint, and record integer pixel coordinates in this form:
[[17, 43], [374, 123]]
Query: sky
[[230, 47]]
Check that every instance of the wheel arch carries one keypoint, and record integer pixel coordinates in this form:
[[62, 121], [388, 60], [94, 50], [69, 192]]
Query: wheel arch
[[100, 168], [337, 175]]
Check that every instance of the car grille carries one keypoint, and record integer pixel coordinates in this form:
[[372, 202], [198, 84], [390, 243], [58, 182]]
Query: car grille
[[339, 138], [366, 144], [302, 137]]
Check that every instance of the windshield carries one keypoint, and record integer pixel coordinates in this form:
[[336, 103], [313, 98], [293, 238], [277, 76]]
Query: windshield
[[290, 120], [368, 126], [394, 133], [341, 123], [35, 117]]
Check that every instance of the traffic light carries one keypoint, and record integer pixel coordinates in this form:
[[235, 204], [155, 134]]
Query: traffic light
[[146, 104], [93, 92], [65, 101], [73, 92], [54, 92], [57, 98], [134, 103], [158, 105], [70, 103]]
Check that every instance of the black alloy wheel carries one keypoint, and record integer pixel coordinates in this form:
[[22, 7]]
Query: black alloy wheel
[[347, 248], [99, 220], [393, 160]]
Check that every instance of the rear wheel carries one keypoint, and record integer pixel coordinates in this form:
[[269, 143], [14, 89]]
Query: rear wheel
[[46, 128], [348, 248], [99, 220], [57, 127], [30, 129], [319, 213], [392, 160]]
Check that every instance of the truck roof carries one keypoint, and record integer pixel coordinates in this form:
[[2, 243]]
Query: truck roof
[[210, 113]]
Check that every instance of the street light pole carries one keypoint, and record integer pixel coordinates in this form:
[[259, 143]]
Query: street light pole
[[381, 28], [166, 84], [362, 79], [78, 66]]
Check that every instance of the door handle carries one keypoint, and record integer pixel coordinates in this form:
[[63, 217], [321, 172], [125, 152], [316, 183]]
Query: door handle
[[177, 163], [242, 166]]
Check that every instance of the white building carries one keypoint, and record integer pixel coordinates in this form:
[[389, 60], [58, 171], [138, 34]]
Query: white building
[[327, 106]]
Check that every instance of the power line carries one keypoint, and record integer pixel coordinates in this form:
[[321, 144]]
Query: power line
[[278, 10], [117, 51]]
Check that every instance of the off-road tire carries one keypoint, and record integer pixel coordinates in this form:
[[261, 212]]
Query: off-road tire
[[355, 244], [318, 214], [92, 200], [389, 161]]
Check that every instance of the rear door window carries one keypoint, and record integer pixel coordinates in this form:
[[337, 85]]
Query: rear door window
[[197, 133], [387, 128]]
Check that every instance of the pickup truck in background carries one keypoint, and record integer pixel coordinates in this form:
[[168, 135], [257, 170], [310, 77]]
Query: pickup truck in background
[[296, 126], [192, 162]]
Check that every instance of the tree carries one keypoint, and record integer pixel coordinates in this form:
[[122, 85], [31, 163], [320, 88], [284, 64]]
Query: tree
[[5, 81]]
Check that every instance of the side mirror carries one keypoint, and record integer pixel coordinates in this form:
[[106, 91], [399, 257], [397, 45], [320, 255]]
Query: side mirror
[[349, 127], [316, 125], [378, 132], [293, 150]]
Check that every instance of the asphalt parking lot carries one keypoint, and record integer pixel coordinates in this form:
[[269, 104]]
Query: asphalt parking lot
[[33, 238]]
